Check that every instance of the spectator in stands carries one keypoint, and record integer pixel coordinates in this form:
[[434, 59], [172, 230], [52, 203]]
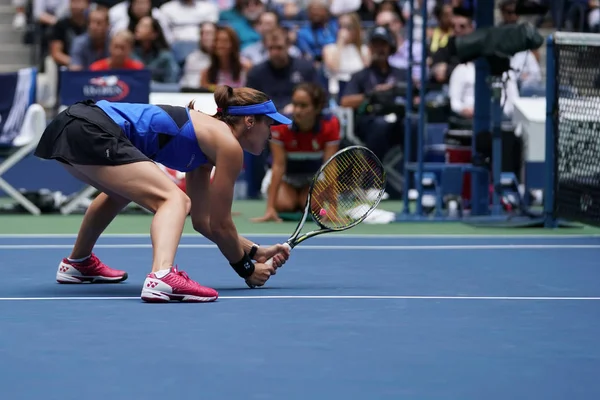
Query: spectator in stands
[[199, 60], [184, 17], [66, 29], [526, 63], [400, 57], [47, 12], [347, 55], [226, 64], [321, 31], [443, 31], [280, 73], [528, 73], [298, 151], [127, 14], [120, 51], [366, 9], [288, 10], [417, 19], [93, 45], [377, 131], [20, 19], [388, 5], [442, 62], [508, 12], [594, 16], [242, 18], [257, 52], [151, 48]]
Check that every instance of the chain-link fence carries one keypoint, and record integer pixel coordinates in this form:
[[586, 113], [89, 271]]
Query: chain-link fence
[[577, 127]]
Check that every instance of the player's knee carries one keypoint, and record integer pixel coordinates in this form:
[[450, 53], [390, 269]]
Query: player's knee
[[174, 199], [184, 202]]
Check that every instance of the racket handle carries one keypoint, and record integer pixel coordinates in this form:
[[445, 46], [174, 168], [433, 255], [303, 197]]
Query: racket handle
[[270, 260]]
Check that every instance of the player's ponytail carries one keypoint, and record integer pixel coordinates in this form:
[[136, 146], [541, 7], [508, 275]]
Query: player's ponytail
[[224, 97]]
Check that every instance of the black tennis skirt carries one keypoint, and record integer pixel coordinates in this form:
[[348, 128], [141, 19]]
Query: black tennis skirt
[[84, 134]]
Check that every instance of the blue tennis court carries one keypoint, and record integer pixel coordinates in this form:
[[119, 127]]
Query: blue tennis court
[[348, 317]]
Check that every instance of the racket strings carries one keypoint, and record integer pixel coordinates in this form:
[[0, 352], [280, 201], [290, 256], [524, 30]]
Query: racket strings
[[348, 188]]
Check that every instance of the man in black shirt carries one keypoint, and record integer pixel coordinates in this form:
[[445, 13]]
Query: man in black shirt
[[378, 132], [66, 29], [442, 62], [278, 76]]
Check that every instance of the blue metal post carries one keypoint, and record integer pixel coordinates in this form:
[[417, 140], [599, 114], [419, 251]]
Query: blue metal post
[[408, 116], [421, 120], [496, 143], [551, 93], [484, 17]]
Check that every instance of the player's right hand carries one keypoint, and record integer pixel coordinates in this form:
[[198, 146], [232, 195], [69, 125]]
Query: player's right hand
[[262, 273]]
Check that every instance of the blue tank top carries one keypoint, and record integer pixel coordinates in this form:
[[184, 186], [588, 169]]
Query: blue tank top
[[163, 133]]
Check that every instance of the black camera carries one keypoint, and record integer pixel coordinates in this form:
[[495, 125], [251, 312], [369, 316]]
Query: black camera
[[496, 44]]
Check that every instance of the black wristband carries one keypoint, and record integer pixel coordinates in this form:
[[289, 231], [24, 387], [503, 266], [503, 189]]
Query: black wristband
[[253, 251], [244, 267]]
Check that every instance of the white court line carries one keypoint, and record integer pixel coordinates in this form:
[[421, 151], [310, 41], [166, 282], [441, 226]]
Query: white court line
[[322, 247], [329, 236], [479, 298]]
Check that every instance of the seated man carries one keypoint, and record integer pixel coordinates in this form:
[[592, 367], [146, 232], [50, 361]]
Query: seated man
[[93, 45], [278, 76], [442, 62], [378, 132], [66, 30]]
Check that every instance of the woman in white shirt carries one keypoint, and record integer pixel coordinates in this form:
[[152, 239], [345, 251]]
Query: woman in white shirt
[[348, 55]]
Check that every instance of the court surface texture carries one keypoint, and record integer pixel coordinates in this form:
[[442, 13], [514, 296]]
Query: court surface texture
[[446, 313]]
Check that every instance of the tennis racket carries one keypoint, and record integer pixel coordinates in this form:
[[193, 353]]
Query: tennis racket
[[345, 190]]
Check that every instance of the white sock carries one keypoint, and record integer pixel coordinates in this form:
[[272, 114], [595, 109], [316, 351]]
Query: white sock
[[78, 260], [162, 273]]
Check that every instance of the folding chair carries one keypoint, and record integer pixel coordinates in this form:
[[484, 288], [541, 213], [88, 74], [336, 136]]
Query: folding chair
[[22, 123]]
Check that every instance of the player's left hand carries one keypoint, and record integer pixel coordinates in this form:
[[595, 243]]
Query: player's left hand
[[279, 252]]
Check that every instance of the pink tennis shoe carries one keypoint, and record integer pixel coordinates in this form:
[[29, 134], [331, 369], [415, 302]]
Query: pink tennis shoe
[[174, 285], [91, 270], [169, 285]]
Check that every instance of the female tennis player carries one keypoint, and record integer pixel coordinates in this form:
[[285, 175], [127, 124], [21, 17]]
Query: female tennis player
[[299, 150], [113, 146]]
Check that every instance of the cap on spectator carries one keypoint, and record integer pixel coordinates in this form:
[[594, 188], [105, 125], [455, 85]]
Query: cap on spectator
[[383, 33]]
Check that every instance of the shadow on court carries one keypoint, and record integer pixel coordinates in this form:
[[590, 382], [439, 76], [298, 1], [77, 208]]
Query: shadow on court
[[460, 321]]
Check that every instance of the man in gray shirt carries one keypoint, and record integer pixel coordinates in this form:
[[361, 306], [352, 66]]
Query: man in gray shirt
[[93, 45]]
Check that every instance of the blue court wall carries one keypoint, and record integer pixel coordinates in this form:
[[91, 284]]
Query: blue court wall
[[32, 174]]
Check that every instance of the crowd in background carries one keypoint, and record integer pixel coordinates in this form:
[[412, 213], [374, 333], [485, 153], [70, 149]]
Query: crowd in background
[[355, 50]]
